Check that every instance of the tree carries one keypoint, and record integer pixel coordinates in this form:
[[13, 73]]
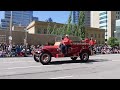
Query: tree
[[48, 28], [69, 24], [64, 27], [81, 24], [112, 41], [75, 30], [54, 29]]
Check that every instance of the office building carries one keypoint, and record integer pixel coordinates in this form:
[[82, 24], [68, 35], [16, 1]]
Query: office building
[[35, 19], [105, 20], [75, 18], [117, 31], [19, 18]]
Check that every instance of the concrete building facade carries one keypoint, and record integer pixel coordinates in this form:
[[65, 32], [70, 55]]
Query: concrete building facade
[[105, 20], [40, 27], [96, 33]]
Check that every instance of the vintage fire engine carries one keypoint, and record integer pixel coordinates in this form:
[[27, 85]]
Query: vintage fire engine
[[77, 49]]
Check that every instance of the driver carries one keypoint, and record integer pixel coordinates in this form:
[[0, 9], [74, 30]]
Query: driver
[[66, 44]]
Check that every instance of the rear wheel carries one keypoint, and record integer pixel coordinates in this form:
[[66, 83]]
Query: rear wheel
[[73, 58], [45, 58], [36, 58], [84, 56]]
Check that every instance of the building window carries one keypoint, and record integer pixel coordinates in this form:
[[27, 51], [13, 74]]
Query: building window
[[103, 17], [91, 35], [103, 13], [103, 26], [45, 31], [38, 31], [102, 42], [105, 21], [98, 42], [99, 36], [95, 36], [103, 35]]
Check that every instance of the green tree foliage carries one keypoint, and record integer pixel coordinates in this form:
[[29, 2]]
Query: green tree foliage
[[81, 24], [54, 29], [113, 42], [69, 24], [70, 29], [64, 29], [48, 29]]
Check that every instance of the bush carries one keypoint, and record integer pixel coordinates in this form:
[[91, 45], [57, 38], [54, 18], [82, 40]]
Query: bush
[[113, 42]]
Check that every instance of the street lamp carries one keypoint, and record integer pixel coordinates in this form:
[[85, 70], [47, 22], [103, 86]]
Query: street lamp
[[10, 37], [25, 40]]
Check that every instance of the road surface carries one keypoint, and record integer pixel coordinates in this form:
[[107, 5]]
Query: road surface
[[98, 67]]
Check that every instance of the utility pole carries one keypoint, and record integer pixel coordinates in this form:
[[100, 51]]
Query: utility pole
[[10, 37]]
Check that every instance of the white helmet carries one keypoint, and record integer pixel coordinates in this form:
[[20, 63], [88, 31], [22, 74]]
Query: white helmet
[[67, 35]]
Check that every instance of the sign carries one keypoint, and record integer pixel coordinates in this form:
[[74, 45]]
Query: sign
[[10, 38]]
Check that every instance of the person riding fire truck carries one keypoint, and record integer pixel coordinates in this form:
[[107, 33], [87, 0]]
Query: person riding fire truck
[[65, 44], [92, 44]]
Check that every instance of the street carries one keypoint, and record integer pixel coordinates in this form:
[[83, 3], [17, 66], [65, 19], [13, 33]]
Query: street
[[98, 67]]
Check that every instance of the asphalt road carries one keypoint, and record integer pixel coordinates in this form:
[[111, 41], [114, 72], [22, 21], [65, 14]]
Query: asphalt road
[[98, 67]]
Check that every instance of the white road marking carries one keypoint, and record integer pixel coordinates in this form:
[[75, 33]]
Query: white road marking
[[16, 62], [115, 60], [61, 77], [23, 67]]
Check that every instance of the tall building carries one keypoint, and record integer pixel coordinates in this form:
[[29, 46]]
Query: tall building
[[35, 19], [49, 20], [76, 17], [105, 20], [19, 18], [117, 31]]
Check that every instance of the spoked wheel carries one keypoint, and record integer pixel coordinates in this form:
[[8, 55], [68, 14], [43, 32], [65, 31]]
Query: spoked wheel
[[73, 58], [36, 58], [45, 58], [84, 56]]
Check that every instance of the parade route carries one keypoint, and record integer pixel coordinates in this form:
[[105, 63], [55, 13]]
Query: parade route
[[98, 67]]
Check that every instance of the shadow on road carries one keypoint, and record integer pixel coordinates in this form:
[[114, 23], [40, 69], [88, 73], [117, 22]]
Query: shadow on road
[[77, 61]]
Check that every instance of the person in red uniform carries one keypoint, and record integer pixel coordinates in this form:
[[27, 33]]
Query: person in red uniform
[[92, 43], [66, 44], [87, 40]]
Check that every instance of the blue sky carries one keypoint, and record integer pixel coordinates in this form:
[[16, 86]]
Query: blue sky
[[57, 16]]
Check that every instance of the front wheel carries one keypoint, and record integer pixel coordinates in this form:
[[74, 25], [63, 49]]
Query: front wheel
[[45, 58], [36, 58], [84, 56]]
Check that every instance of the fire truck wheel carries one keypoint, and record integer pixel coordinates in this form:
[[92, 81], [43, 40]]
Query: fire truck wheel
[[45, 58], [84, 56], [73, 58], [36, 58]]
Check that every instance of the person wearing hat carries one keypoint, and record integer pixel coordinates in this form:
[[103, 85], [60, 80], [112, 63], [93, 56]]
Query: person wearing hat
[[66, 43]]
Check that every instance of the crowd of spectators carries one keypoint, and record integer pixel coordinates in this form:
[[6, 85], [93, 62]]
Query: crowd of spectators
[[23, 50], [16, 50], [106, 49]]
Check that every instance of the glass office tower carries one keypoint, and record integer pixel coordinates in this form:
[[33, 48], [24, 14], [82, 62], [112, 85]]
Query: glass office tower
[[19, 18]]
